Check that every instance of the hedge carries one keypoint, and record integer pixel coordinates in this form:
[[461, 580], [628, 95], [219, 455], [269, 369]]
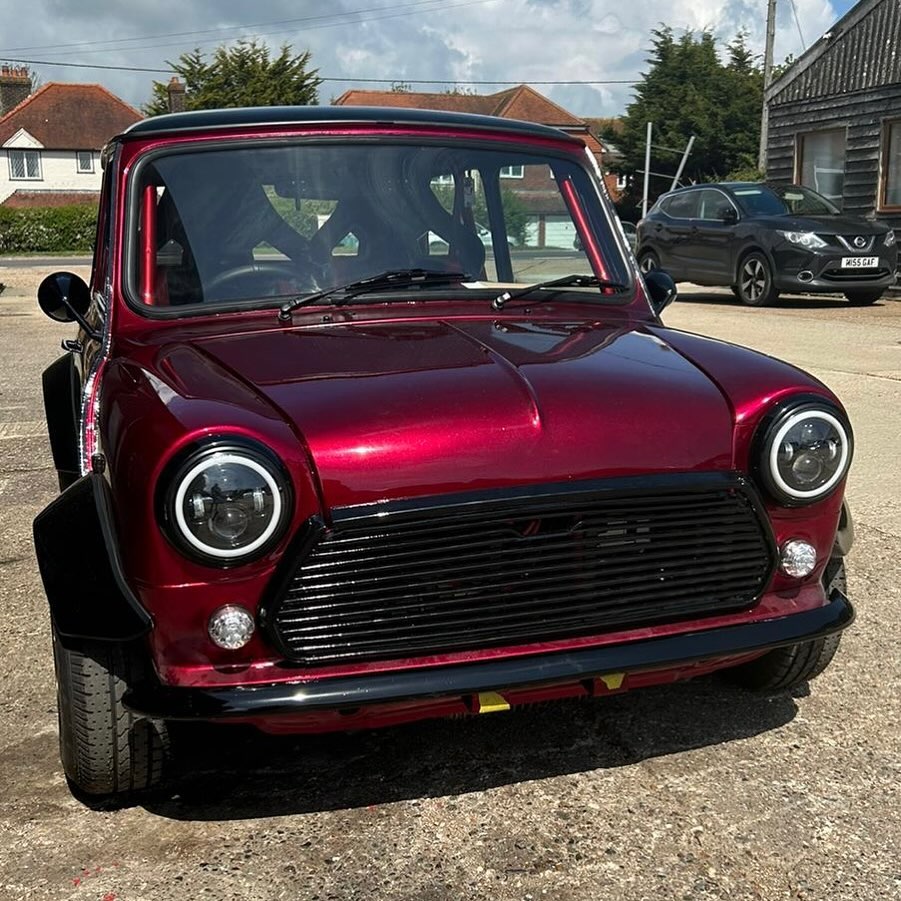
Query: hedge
[[63, 229]]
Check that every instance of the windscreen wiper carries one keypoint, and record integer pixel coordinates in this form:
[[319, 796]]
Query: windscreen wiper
[[385, 281], [566, 281]]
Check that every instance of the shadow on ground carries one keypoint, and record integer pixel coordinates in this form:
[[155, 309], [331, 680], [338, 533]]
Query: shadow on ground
[[227, 772]]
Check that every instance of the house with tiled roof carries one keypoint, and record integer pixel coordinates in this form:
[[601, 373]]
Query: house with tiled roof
[[50, 140], [548, 222]]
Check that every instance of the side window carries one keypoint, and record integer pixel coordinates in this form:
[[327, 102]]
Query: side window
[[712, 205], [682, 206]]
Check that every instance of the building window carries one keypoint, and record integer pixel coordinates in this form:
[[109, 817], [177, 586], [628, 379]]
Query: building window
[[821, 163], [24, 164], [890, 196], [84, 161], [512, 172]]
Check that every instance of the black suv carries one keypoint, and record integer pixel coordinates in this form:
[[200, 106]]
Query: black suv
[[761, 239]]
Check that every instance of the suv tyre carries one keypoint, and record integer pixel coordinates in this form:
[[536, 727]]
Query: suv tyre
[[755, 281], [648, 261]]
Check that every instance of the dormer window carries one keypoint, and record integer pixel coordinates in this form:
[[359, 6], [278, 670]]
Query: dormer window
[[24, 164], [84, 161]]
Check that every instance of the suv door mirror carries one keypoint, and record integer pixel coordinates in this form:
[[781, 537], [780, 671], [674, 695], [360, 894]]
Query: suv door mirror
[[661, 289], [728, 215], [64, 297]]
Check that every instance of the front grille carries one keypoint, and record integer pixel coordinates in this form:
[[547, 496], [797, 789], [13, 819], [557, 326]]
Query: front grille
[[855, 275], [479, 571]]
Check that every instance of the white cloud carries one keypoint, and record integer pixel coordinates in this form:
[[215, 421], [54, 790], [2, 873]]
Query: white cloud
[[508, 40]]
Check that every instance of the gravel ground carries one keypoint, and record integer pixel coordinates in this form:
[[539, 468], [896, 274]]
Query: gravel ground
[[692, 792]]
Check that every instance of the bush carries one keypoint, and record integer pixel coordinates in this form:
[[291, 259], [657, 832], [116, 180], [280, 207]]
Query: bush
[[63, 229]]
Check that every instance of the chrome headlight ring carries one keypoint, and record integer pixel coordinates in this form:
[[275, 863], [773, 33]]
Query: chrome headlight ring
[[225, 501], [803, 450]]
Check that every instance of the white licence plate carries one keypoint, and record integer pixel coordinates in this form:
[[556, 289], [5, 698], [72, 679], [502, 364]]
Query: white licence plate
[[860, 262]]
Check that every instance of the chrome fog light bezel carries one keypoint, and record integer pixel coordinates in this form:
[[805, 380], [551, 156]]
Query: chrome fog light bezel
[[231, 627], [797, 558]]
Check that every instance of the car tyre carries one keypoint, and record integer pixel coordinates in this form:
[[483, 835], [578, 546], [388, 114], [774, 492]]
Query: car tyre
[[786, 668], [755, 281], [105, 748], [648, 261], [865, 297]]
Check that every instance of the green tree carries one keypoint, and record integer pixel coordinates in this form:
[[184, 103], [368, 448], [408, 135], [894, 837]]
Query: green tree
[[244, 74], [688, 90]]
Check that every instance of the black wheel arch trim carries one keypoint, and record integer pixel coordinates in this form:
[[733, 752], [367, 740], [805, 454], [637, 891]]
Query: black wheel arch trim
[[560, 667], [76, 546], [844, 536], [62, 390]]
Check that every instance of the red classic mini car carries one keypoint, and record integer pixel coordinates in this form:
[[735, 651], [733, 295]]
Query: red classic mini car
[[331, 459]]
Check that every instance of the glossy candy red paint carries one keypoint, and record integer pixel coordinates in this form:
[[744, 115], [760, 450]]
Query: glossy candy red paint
[[423, 393]]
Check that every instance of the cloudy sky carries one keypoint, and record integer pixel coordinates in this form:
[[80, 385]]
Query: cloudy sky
[[456, 41]]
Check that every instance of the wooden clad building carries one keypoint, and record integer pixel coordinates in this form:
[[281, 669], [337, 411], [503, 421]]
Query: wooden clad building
[[835, 115]]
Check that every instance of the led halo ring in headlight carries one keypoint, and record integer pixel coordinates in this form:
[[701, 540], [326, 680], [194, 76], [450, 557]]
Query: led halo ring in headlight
[[228, 502], [805, 452]]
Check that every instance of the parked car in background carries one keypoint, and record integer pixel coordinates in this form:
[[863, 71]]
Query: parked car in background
[[312, 484], [631, 234], [762, 239]]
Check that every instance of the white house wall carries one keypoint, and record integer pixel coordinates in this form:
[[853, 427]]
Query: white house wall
[[59, 172]]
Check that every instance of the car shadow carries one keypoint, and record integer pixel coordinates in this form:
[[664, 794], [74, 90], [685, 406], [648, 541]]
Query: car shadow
[[229, 772], [785, 302]]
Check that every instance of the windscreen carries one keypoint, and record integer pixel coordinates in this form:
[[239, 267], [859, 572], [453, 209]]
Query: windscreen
[[259, 223], [788, 200]]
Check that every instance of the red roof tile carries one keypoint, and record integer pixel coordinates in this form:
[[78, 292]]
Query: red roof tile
[[69, 116]]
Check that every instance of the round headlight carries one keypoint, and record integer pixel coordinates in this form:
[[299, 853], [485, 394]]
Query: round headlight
[[227, 503], [806, 453]]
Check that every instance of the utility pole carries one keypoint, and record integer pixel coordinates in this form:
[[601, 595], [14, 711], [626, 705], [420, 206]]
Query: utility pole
[[767, 78], [647, 169]]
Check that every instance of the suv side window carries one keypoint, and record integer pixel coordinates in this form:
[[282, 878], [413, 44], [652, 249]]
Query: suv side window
[[682, 206], [712, 204]]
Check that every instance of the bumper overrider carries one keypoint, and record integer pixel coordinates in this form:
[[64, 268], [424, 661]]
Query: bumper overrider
[[668, 652]]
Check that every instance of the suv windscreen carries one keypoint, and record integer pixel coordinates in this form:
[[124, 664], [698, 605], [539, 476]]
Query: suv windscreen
[[788, 200], [258, 224]]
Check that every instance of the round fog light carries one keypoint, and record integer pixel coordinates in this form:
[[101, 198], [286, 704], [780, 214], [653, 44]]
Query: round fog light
[[231, 627], [798, 558]]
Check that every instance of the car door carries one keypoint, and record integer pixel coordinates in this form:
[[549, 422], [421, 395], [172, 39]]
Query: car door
[[669, 230], [712, 238]]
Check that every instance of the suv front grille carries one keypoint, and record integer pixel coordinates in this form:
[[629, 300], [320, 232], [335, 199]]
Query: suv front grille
[[448, 574]]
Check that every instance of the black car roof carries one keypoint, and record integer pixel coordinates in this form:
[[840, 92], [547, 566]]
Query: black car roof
[[201, 120]]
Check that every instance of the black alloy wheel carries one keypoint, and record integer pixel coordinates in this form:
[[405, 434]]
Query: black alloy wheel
[[648, 261], [755, 281]]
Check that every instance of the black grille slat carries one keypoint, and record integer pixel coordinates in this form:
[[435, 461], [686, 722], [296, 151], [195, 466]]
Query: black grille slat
[[523, 600], [525, 549], [308, 593], [451, 576]]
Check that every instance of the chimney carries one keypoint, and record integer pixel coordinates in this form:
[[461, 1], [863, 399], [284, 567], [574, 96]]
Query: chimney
[[15, 86], [176, 91]]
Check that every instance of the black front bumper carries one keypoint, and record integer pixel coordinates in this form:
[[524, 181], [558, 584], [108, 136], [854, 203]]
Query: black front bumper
[[820, 271], [495, 675]]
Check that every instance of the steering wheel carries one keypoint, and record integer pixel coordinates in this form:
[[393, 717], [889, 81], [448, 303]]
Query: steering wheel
[[271, 269]]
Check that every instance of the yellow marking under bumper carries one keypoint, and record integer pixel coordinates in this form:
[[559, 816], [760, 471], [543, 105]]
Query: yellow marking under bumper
[[612, 681], [492, 702]]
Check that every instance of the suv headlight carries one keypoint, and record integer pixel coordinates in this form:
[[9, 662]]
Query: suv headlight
[[808, 240], [804, 451], [889, 238], [228, 502]]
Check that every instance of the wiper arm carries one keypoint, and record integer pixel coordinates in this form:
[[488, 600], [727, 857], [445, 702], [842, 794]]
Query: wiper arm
[[384, 281], [566, 281]]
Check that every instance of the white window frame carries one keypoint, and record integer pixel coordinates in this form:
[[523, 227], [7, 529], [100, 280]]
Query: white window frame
[[24, 152], [78, 167], [509, 171]]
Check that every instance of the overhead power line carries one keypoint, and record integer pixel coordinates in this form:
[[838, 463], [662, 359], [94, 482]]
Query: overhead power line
[[401, 79], [349, 18]]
